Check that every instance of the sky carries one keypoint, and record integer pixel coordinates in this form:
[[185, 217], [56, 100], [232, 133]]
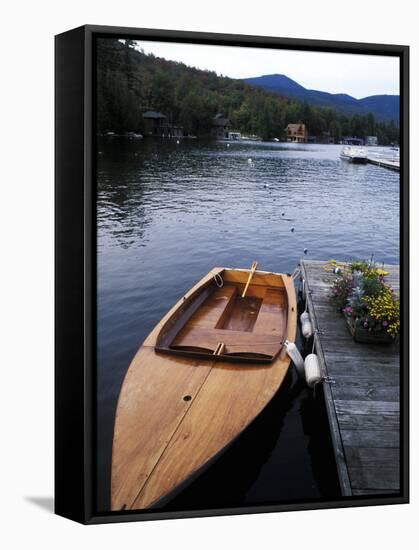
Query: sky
[[356, 75]]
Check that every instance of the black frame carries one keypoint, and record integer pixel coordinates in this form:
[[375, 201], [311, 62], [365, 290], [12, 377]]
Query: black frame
[[75, 266]]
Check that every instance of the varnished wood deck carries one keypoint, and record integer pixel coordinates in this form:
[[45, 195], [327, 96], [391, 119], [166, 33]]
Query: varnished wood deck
[[363, 403]]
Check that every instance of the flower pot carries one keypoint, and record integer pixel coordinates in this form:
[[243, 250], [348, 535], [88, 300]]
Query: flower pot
[[365, 336]]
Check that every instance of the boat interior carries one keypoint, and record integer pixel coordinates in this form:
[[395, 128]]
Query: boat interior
[[218, 323]]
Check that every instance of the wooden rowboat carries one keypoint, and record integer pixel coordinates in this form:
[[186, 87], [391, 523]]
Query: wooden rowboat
[[201, 376]]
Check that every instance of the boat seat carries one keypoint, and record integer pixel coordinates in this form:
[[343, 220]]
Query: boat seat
[[247, 327], [236, 342]]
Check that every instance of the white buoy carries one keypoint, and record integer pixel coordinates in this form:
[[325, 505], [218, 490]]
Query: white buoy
[[306, 326], [250, 161], [296, 357], [177, 141], [312, 370], [228, 145]]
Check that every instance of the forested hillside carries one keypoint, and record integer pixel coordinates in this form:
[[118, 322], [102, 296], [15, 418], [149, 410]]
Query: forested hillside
[[129, 82], [384, 107]]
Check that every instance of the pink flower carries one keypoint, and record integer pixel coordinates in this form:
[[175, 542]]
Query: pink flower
[[365, 324], [385, 323]]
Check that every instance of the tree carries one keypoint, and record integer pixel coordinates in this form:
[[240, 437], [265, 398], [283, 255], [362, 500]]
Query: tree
[[130, 82]]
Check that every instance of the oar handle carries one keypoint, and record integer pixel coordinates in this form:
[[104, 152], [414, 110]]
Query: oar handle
[[252, 272]]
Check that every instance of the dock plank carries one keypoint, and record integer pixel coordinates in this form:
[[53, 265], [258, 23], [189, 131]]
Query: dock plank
[[374, 467], [371, 438], [376, 422], [363, 400], [347, 406], [370, 389]]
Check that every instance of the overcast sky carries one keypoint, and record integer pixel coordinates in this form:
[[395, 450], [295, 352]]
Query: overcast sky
[[356, 75]]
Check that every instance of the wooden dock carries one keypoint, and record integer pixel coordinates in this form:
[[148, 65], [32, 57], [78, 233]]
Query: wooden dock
[[392, 163], [363, 398]]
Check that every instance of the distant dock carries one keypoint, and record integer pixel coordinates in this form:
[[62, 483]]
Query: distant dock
[[392, 163], [363, 398]]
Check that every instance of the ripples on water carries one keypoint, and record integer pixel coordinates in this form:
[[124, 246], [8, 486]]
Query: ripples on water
[[167, 213]]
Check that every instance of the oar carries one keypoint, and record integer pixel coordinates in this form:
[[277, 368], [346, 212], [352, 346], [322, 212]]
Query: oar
[[252, 272]]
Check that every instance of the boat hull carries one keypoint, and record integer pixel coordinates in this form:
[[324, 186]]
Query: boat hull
[[177, 412], [355, 160]]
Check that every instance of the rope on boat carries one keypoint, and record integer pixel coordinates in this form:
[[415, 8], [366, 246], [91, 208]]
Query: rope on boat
[[303, 288], [218, 280], [295, 273]]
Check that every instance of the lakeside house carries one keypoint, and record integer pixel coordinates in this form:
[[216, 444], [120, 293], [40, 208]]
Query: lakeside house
[[220, 128], [371, 140], [297, 133], [156, 125]]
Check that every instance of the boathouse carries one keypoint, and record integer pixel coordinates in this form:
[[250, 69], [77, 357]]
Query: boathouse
[[297, 133], [350, 140], [220, 127], [156, 125]]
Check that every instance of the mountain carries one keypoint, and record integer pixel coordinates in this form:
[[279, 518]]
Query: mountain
[[384, 107]]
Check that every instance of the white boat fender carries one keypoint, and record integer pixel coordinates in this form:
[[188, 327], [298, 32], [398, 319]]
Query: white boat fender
[[296, 357], [306, 326], [312, 370]]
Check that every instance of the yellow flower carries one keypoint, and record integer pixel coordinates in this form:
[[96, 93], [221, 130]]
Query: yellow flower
[[385, 308]]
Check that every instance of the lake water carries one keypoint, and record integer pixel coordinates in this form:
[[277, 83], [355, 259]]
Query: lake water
[[167, 213]]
